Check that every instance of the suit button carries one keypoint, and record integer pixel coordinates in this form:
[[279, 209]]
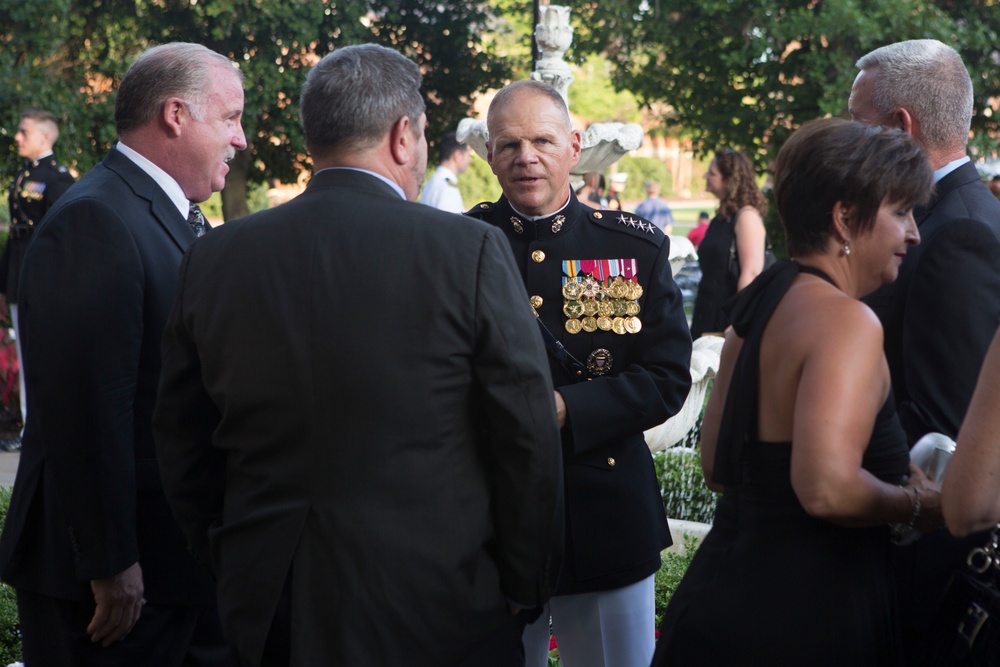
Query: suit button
[[536, 301], [538, 256], [611, 461]]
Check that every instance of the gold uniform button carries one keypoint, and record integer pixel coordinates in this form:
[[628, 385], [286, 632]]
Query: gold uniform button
[[611, 461], [536, 301], [538, 256], [598, 216]]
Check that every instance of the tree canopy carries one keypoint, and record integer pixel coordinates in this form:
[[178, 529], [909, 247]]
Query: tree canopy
[[744, 73], [66, 55]]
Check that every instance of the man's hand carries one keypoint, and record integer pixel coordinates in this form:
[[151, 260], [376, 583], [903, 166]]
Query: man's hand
[[119, 601], [560, 409]]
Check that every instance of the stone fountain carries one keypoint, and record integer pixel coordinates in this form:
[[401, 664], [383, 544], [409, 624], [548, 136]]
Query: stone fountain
[[602, 144]]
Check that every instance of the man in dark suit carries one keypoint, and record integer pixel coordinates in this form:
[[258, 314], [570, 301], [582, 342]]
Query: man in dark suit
[[355, 426], [601, 284], [36, 187], [102, 572], [942, 311]]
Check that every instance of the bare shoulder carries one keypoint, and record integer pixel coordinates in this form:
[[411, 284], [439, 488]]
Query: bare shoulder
[[815, 318], [748, 215]]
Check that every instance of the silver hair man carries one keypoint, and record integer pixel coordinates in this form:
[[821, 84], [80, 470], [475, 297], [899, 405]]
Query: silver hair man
[[927, 80]]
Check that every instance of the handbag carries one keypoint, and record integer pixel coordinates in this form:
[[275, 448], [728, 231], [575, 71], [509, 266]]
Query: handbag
[[966, 626], [734, 258]]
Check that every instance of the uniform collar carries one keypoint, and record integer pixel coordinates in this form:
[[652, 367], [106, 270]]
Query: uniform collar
[[37, 161], [544, 226]]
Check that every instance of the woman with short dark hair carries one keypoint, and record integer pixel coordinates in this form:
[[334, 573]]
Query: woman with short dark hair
[[800, 431]]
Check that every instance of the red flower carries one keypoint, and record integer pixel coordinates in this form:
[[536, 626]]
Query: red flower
[[552, 643]]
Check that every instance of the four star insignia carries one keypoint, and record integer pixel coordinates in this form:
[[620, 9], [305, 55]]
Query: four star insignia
[[635, 224]]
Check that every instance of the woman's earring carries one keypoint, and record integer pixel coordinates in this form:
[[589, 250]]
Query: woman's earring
[[847, 249]]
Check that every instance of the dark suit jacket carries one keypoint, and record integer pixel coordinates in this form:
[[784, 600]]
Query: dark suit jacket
[[615, 522], [939, 317], [354, 399], [99, 278], [941, 312]]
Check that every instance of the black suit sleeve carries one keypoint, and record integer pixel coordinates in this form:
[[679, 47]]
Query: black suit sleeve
[[83, 319], [525, 460], [185, 418], [950, 318]]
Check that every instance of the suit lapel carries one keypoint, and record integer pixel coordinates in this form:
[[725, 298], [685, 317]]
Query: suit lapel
[[160, 206]]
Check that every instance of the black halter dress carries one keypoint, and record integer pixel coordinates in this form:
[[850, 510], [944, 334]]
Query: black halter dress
[[770, 584]]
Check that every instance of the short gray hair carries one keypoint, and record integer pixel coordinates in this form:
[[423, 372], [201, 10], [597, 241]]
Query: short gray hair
[[354, 95], [177, 69], [928, 79]]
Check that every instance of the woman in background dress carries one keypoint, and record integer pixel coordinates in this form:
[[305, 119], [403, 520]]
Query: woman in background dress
[[739, 218]]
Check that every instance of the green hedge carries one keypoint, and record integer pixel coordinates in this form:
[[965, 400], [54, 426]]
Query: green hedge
[[10, 635]]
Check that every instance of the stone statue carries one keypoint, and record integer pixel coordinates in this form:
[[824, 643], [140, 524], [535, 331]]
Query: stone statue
[[554, 34]]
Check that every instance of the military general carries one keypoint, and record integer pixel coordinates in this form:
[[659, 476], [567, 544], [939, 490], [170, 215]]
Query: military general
[[620, 349]]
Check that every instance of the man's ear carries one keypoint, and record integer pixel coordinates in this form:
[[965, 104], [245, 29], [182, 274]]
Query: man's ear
[[905, 121], [402, 141], [174, 114], [576, 142]]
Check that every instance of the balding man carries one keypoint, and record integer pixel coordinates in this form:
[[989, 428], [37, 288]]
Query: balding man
[[620, 354], [942, 311]]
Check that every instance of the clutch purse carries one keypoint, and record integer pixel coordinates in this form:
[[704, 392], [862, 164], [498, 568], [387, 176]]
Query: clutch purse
[[966, 628], [931, 453]]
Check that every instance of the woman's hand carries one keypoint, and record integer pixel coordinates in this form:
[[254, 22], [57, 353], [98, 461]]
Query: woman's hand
[[930, 500]]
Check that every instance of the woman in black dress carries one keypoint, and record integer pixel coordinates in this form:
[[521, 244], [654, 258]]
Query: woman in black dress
[[738, 225], [800, 430]]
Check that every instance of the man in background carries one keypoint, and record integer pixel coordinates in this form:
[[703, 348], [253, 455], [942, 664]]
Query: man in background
[[655, 209], [697, 233], [441, 190], [354, 430], [37, 186], [102, 572], [942, 311]]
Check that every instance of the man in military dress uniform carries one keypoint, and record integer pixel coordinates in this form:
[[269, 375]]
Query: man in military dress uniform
[[620, 353], [39, 183]]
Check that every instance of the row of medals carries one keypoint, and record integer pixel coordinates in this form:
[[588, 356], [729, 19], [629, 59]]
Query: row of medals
[[590, 305]]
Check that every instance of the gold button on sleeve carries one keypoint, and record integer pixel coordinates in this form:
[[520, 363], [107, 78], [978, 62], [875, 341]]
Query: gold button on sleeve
[[611, 461]]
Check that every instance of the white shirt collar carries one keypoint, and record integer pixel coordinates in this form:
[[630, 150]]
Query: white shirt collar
[[532, 218], [950, 167], [163, 179], [393, 184]]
